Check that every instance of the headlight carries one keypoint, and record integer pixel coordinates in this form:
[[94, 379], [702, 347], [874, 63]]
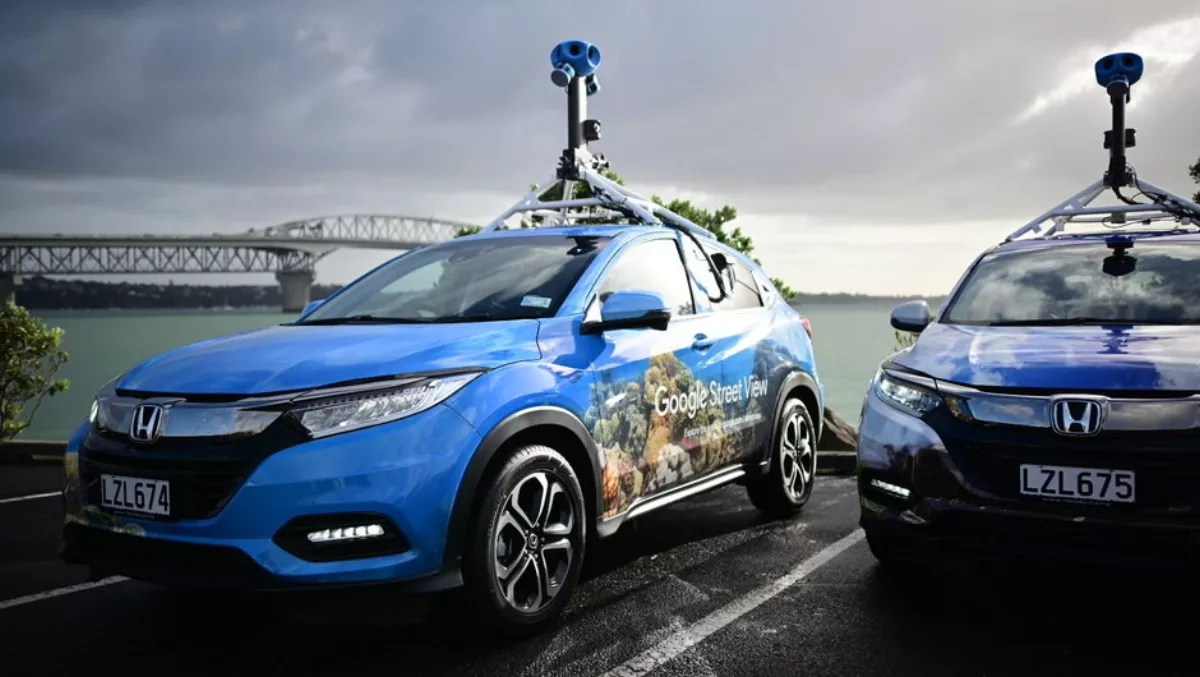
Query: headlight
[[360, 410], [92, 415], [911, 398]]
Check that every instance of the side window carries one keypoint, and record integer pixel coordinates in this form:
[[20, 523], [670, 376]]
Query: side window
[[743, 288], [651, 266], [698, 264]]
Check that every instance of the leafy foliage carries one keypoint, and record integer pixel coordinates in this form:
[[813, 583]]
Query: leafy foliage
[[904, 339], [32, 355], [1194, 171], [713, 221]]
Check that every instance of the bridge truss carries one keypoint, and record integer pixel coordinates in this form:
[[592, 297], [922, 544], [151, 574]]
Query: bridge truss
[[113, 260], [293, 246]]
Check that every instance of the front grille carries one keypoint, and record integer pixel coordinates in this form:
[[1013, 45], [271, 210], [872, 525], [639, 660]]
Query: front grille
[[1167, 464], [200, 488], [204, 473]]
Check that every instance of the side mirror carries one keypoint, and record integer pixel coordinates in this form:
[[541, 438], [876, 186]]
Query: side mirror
[[631, 310], [912, 316], [311, 306], [719, 261]]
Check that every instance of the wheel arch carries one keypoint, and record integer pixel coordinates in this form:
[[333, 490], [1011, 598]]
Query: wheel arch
[[552, 426], [796, 384]]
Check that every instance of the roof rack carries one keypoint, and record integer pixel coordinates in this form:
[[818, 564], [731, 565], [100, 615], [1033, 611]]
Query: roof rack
[[1117, 73], [574, 64]]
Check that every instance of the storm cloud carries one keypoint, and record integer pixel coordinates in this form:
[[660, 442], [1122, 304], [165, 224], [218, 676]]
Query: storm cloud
[[845, 116]]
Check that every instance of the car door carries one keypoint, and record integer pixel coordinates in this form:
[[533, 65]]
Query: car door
[[731, 393], [750, 356], [651, 388]]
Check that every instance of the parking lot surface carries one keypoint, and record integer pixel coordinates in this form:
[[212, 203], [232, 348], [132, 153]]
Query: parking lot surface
[[705, 587]]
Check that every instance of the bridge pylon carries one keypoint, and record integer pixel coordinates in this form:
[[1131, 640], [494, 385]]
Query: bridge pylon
[[8, 287], [295, 289]]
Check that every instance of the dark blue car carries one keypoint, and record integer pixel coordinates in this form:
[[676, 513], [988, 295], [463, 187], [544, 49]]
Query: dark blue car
[[1052, 407], [470, 413]]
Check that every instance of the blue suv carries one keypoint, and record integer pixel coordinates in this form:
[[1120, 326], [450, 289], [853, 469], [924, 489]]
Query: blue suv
[[1052, 406], [470, 413]]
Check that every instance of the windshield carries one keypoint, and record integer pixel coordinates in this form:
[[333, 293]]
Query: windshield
[[1151, 283], [467, 280]]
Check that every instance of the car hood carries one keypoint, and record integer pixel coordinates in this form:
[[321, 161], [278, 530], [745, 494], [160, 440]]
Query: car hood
[[288, 358], [1145, 358]]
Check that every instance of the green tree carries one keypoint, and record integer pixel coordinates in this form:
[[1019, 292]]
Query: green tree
[[32, 355], [904, 339], [1194, 170], [714, 221]]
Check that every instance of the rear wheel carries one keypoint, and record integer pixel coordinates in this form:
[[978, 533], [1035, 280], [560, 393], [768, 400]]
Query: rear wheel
[[789, 484], [526, 542]]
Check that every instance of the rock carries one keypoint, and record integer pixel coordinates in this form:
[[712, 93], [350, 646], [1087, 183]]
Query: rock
[[838, 435]]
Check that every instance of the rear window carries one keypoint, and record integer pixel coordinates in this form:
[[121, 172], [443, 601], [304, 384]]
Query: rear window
[[1152, 283]]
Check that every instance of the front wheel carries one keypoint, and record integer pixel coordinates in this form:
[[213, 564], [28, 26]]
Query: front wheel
[[526, 542], [789, 484]]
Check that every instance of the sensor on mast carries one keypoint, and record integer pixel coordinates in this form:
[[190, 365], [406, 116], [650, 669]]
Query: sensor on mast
[[1117, 73], [573, 67]]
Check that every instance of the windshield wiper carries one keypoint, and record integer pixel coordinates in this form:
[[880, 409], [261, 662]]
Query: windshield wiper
[[366, 319]]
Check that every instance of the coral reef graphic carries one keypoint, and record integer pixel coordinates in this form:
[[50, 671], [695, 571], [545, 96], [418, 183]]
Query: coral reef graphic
[[646, 450]]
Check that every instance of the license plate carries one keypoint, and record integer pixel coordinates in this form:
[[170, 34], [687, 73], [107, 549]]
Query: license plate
[[136, 494], [1089, 484]]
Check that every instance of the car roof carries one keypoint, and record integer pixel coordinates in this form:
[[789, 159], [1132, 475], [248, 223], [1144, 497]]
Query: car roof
[[623, 230], [598, 230], [1080, 239]]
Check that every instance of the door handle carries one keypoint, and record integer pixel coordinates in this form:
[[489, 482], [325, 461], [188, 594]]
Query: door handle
[[701, 342]]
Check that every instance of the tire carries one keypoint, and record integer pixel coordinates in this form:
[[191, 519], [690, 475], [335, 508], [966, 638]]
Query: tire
[[509, 547], [789, 484]]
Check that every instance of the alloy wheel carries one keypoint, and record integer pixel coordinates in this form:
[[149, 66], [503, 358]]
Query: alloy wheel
[[533, 542], [797, 457]]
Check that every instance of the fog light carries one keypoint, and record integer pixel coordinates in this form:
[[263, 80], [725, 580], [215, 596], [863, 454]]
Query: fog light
[[333, 537], [346, 533], [892, 489]]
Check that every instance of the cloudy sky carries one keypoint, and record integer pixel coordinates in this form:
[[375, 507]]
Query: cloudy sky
[[869, 145]]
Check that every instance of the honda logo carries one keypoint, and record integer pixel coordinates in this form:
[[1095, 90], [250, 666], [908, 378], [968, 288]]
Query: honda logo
[[147, 423], [1077, 416]]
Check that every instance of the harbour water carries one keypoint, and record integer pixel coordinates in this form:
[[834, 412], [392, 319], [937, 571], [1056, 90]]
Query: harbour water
[[850, 341]]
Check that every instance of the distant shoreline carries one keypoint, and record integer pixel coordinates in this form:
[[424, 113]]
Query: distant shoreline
[[48, 294]]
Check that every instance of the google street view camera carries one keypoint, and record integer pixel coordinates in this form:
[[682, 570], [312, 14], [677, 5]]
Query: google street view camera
[[578, 192], [1117, 73]]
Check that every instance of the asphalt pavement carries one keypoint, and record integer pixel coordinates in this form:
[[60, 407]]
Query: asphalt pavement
[[705, 587]]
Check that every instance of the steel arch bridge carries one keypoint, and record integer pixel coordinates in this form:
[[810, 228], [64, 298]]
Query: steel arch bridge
[[295, 246]]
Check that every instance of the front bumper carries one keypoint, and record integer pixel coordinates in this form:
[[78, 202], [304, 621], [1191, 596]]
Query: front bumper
[[404, 475], [949, 489]]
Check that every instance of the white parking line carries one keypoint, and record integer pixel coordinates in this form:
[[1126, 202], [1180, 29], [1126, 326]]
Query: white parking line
[[686, 638], [30, 497], [59, 592]]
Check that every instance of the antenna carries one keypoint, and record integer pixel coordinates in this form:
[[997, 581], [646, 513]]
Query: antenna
[[1117, 73], [574, 64]]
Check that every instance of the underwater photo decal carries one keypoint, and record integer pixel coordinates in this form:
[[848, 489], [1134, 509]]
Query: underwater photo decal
[[660, 426]]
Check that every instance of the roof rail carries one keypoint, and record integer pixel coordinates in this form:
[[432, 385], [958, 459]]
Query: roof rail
[[1116, 73], [574, 65]]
